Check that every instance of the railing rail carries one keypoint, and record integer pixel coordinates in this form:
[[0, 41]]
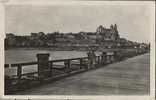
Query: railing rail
[[19, 66], [24, 64], [35, 62]]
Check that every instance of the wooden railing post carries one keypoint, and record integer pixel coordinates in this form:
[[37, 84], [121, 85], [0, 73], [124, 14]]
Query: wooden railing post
[[112, 58], [98, 59], [115, 55], [67, 64], [103, 58], [19, 71], [51, 68], [109, 58], [81, 63], [86, 63], [91, 60]]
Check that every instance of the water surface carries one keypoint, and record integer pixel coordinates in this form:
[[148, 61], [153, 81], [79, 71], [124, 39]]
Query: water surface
[[24, 55]]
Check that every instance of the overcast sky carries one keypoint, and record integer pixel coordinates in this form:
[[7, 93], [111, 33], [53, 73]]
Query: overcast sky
[[133, 20]]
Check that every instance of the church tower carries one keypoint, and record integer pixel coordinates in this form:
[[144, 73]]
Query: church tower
[[99, 31], [116, 32]]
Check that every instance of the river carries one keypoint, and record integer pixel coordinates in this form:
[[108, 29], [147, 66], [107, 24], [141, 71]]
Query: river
[[29, 55]]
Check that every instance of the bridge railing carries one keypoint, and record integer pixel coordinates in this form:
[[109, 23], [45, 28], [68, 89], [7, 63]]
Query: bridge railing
[[81, 62], [53, 64]]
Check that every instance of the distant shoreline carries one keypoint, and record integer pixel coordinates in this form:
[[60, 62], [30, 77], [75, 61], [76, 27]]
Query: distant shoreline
[[69, 49], [47, 48]]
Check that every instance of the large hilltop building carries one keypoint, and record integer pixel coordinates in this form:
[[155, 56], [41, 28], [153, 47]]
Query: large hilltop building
[[107, 37], [105, 34]]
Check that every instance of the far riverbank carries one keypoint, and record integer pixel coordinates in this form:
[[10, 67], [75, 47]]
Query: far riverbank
[[51, 48]]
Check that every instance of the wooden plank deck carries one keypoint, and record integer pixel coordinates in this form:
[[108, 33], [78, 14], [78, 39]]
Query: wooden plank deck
[[128, 77]]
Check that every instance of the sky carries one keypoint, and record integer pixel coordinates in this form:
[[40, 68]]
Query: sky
[[133, 21]]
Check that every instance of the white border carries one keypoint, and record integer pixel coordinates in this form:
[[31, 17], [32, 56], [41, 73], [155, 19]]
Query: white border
[[95, 97], [70, 2]]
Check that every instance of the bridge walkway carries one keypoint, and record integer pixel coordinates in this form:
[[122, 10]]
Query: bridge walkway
[[131, 76]]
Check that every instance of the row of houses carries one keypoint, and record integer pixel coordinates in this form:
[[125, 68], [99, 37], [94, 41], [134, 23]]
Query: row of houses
[[105, 37]]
